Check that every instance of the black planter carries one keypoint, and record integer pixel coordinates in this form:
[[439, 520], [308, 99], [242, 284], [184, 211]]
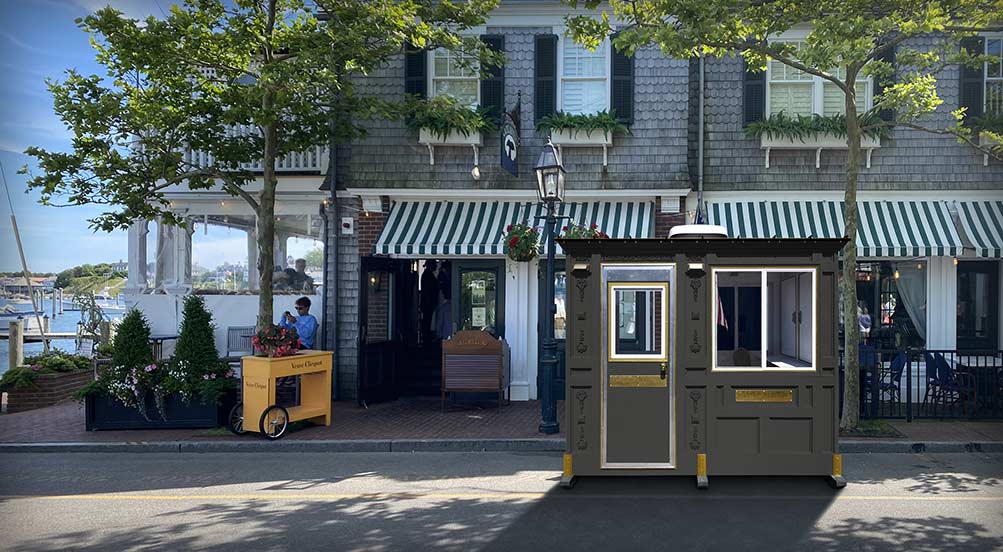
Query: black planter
[[103, 412]]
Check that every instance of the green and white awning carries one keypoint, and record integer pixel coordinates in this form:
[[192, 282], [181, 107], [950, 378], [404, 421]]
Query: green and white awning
[[982, 222], [478, 227], [884, 228]]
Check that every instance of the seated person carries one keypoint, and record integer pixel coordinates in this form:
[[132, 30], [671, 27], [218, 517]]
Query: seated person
[[304, 322], [279, 279], [302, 280]]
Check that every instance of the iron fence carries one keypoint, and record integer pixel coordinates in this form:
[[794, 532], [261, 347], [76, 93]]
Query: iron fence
[[929, 383]]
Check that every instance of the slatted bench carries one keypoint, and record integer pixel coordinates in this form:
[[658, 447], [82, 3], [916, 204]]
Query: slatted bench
[[475, 361]]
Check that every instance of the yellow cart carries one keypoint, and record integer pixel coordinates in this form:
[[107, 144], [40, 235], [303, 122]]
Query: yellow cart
[[258, 389]]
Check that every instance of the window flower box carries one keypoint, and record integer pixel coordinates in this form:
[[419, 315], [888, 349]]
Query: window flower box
[[571, 137], [986, 140], [818, 143], [427, 138]]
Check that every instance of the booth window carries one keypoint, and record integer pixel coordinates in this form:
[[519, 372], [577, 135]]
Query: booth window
[[637, 328], [764, 319]]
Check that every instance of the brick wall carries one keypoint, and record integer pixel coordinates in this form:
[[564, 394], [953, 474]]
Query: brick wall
[[665, 221], [49, 389], [368, 226]]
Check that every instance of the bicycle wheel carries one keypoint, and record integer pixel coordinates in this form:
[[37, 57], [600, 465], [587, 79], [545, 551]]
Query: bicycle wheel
[[274, 422], [235, 421]]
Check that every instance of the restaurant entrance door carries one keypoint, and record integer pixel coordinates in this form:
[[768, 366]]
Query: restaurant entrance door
[[385, 305]]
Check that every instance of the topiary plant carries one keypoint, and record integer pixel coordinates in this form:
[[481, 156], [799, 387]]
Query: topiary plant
[[195, 367], [132, 342]]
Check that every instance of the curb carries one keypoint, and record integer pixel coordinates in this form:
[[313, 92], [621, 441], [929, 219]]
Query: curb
[[444, 445]]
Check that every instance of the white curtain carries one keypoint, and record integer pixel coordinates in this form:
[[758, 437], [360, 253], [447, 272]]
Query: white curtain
[[912, 290]]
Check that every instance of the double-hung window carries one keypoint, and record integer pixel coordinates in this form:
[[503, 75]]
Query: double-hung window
[[994, 75], [584, 78], [796, 92], [456, 74]]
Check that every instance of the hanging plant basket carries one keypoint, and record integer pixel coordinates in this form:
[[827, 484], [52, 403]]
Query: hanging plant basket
[[522, 242]]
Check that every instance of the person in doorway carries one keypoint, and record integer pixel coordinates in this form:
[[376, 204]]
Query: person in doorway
[[428, 300], [304, 322], [445, 325], [865, 323]]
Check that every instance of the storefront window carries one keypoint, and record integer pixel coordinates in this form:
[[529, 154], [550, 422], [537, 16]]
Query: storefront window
[[891, 296], [477, 300], [978, 305], [764, 319], [560, 295]]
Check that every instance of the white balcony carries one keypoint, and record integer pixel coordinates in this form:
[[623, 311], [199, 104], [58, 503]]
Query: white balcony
[[313, 160]]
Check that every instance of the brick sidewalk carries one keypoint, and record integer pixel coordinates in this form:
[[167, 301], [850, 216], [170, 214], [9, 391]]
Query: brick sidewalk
[[402, 419]]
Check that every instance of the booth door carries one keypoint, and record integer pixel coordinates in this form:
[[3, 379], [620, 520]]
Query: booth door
[[638, 377], [382, 298]]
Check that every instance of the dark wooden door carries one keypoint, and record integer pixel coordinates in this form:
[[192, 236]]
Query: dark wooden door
[[383, 298], [978, 300]]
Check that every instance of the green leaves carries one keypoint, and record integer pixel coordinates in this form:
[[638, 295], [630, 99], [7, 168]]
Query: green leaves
[[605, 121], [442, 115], [798, 128]]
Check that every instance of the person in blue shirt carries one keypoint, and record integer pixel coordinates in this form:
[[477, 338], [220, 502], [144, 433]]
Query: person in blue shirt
[[304, 322]]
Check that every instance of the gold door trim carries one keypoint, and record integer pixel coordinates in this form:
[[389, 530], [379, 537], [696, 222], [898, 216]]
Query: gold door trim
[[764, 395], [621, 380]]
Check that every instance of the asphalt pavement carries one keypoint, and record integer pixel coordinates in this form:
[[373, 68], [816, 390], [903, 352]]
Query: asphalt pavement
[[484, 501]]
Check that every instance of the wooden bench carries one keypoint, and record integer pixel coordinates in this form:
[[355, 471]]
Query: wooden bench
[[474, 360]]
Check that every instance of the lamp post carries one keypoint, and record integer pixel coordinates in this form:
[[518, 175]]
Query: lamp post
[[550, 186]]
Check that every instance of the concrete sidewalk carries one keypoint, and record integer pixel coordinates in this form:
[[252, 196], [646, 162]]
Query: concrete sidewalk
[[414, 425]]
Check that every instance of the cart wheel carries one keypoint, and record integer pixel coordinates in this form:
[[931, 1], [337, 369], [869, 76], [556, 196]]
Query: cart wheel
[[274, 421], [235, 422]]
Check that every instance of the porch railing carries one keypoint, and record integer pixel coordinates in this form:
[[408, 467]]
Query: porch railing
[[929, 383], [313, 160]]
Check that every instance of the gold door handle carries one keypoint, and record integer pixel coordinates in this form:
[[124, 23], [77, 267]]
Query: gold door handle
[[663, 368]]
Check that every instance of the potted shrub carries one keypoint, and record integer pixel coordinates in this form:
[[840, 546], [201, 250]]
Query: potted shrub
[[593, 129], [522, 242], [135, 392], [444, 121], [45, 380]]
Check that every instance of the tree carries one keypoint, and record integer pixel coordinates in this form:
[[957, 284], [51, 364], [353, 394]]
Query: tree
[[210, 67], [846, 39], [314, 258]]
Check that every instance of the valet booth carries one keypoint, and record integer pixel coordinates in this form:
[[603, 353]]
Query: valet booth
[[702, 355]]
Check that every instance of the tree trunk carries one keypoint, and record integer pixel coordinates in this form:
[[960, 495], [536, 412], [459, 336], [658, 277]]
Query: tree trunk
[[851, 331], [266, 219]]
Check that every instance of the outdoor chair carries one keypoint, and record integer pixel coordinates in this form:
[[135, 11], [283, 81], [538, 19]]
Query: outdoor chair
[[942, 387], [867, 359], [238, 341], [892, 386]]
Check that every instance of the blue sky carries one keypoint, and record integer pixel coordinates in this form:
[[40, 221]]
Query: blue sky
[[41, 40]]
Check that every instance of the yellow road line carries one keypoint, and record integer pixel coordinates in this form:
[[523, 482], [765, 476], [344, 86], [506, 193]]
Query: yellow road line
[[484, 496]]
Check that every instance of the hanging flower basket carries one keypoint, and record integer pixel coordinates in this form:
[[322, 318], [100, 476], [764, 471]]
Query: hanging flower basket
[[522, 242], [577, 231]]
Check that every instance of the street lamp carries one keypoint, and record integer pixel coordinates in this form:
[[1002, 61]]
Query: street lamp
[[550, 186]]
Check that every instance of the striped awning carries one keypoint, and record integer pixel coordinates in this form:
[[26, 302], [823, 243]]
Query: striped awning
[[884, 228], [983, 225], [478, 227]]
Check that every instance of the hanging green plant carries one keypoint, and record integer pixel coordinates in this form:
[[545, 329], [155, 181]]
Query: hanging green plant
[[522, 242], [605, 121], [443, 115], [801, 127]]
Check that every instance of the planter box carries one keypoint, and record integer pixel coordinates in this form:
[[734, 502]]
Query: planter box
[[49, 389], [570, 137], [818, 143], [427, 138], [986, 140], [108, 413]]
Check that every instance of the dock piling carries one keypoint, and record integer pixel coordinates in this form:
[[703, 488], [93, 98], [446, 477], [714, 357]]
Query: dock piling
[[15, 354]]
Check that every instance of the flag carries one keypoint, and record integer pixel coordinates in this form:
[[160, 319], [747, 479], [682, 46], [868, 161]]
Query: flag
[[510, 139], [722, 320]]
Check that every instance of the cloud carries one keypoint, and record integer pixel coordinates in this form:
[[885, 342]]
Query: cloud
[[29, 47]]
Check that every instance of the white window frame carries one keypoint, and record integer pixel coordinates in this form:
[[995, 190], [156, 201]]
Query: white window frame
[[608, 64], [986, 79], [430, 75], [764, 314], [817, 83]]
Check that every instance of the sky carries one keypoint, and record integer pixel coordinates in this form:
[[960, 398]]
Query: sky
[[41, 41]]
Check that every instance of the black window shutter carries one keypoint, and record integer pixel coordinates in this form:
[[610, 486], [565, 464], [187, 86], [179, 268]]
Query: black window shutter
[[754, 96], [493, 82], [972, 84], [545, 77], [622, 86], [415, 71], [880, 84]]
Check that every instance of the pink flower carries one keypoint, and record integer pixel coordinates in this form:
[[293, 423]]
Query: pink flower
[[508, 228], [151, 368], [212, 376], [594, 226], [230, 374], [205, 377]]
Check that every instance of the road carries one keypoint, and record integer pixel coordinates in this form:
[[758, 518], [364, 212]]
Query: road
[[484, 501]]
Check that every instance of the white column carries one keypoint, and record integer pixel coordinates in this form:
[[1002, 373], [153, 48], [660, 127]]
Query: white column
[[180, 281], [136, 282], [520, 328], [165, 255], [252, 258], [280, 249], [942, 304]]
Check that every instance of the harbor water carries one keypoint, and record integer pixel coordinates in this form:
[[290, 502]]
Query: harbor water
[[66, 322]]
